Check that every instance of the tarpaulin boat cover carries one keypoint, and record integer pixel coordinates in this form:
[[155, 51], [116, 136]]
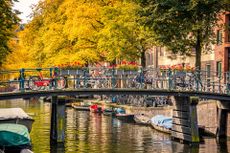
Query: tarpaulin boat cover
[[162, 120], [13, 113], [13, 135]]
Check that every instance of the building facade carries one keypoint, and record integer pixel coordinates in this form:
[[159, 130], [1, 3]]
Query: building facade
[[217, 59]]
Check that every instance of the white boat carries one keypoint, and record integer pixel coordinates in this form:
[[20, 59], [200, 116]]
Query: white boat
[[162, 123], [17, 116]]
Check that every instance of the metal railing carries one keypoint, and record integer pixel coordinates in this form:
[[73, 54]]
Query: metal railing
[[110, 78]]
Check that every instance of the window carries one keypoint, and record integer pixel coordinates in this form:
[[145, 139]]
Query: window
[[219, 37], [208, 70], [228, 20], [218, 69]]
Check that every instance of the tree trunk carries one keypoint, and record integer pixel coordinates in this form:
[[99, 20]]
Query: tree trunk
[[143, 59], [198, 50]]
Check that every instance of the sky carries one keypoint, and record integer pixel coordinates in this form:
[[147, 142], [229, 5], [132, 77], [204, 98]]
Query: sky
[[24, 6]]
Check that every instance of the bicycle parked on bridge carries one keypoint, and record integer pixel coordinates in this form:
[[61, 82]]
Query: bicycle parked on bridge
[[39, 82]]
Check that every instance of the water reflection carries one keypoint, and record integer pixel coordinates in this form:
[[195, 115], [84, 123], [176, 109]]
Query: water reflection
[[89, 132]]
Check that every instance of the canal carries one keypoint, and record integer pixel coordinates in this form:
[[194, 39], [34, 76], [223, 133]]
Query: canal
[[92, 133]]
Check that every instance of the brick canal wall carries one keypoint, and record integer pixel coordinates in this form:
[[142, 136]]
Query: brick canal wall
[[206, 111]]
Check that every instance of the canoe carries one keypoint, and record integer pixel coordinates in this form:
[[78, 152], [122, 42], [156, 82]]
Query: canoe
[[125, 117], [142, 119], [81, 108], [16, 116], [14, 136]]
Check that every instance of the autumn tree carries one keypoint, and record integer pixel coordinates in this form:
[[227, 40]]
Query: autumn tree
[[86, 31], [8, 19], [183, 26]]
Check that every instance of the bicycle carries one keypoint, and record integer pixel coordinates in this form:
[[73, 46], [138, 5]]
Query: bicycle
[[39, 82]]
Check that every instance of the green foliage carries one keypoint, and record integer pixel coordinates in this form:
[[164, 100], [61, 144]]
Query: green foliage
[[183, 26], [8, 20]]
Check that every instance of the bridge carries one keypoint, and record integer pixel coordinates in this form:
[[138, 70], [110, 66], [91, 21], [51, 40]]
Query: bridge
[[184, 86]]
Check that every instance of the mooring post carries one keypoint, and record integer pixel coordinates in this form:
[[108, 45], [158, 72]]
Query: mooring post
[[53, 123], [57, 133], [61, 120], [185, 126]]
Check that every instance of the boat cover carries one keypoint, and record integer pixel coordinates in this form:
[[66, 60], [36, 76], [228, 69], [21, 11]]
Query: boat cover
[[119, 111], [162, 120], [13, 135], [13, 113]]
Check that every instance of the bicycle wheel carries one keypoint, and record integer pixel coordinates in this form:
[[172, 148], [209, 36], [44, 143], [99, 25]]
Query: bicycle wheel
[[61, 82], [32, 83]]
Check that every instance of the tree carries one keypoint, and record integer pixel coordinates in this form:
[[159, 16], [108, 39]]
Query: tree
[[183, 26], [8, 19]]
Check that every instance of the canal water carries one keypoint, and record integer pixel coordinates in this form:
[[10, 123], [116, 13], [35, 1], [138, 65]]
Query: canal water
[[92, 133]]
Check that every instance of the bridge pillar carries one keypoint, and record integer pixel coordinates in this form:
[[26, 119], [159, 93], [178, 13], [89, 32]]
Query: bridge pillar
[[222, 118], [185, 125], [57, 130]]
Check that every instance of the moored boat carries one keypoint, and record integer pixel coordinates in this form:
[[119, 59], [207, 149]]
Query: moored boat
[[142, 119], [125, 117], [162, 123], [121, 115], [108, 112], [14, 137], [95, 108], [81, 108], [16, 116]]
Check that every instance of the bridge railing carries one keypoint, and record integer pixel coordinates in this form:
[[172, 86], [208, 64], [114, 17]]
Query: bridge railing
[[94, 77]]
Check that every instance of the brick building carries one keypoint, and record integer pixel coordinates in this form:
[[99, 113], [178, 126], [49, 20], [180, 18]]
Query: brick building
[[217, 59]]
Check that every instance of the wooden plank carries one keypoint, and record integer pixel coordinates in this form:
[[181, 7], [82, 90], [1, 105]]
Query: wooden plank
[[181, 136], [179, 121], [180, 114], [181, 129]]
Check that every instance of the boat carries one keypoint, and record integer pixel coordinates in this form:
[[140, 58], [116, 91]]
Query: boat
[[14, 137], [81, 107], [121, 115], [162, 123], [142, 119], [16, 116], [108, 112], [95, 108]]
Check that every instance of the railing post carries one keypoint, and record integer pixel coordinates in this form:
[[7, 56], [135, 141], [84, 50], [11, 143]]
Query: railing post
[[142, 77], [219, 82], [85, 77], [22, 79], [169, 79], [228, 82], [113, 78], [51, 75]]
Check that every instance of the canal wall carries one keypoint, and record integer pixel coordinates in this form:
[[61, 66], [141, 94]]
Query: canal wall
[[206, 113]]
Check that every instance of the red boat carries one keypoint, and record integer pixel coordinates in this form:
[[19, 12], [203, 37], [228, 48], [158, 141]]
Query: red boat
[[95, 108]]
